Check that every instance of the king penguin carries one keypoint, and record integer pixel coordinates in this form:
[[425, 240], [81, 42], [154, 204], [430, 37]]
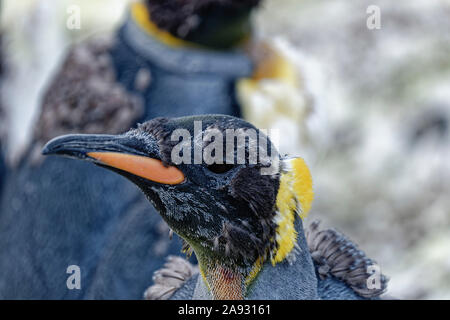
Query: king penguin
[[166, 59], [240, 209]]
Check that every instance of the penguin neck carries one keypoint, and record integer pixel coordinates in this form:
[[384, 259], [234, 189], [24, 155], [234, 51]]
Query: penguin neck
[[223, 282], [293, 278], [225, 279], [286, 280]]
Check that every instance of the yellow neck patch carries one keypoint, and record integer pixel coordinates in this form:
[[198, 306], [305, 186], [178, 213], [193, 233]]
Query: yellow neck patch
[[273, 65], [141, 15], [270, 64], [295, 195]]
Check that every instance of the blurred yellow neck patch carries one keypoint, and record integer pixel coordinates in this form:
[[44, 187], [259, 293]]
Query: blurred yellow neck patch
[[295, 195]]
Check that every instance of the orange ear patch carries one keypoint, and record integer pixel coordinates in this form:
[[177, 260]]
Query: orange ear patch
[[144, 167]]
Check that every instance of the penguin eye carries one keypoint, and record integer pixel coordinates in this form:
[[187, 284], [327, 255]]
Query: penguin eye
[[220, 167]]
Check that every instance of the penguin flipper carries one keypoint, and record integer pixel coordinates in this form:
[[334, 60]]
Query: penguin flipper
[[336, 258], [175, 280]]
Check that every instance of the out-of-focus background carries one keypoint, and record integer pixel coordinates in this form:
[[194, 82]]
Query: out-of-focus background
[[378, 141]]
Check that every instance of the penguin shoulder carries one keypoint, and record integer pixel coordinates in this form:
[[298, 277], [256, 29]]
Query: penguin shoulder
[[337, 259]]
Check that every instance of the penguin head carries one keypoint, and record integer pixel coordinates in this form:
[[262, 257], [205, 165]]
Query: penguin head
[[212, 23], [216, 180]]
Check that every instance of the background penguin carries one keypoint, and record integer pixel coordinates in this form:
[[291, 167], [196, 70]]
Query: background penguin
[[243, 223], [52, 217]]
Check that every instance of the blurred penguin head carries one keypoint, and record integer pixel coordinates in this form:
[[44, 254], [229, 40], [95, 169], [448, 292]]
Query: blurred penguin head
[[213, 23]]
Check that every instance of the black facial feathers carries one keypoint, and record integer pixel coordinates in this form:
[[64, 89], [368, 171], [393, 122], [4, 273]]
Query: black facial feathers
[[237, 206], [158, 129], [170, 15]]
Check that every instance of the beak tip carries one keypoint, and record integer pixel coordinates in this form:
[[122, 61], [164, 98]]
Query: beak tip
[[49, 148], [46, 150], [56, 146]]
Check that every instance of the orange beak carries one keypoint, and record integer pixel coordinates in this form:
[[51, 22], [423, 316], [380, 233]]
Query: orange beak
[[147, 168], [119, 152]]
